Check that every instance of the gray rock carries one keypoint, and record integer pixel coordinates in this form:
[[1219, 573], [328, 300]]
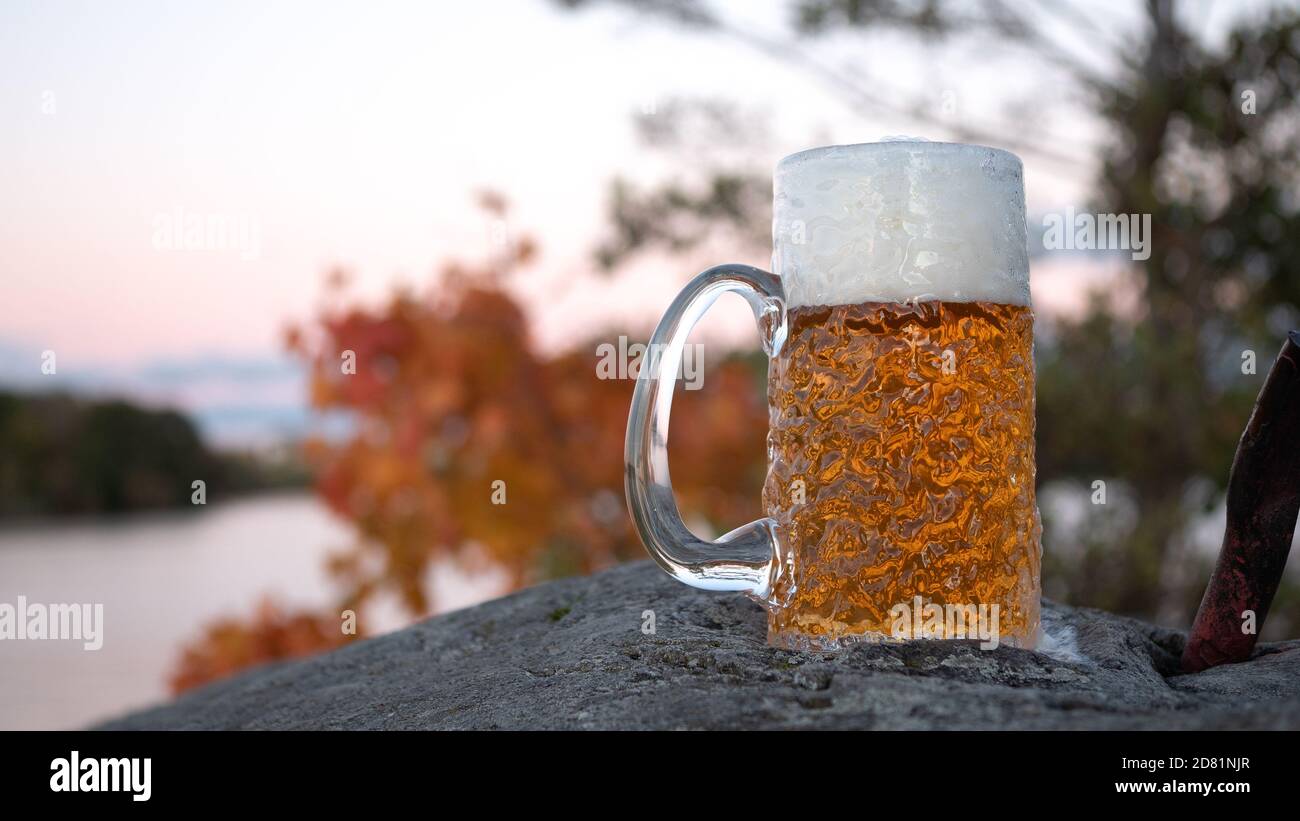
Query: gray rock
[[572, 655]]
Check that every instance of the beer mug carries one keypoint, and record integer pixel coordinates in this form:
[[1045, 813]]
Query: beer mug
[[899, 497]]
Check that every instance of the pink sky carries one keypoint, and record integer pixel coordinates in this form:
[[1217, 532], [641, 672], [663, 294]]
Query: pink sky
[[344, 136], [357, 135]]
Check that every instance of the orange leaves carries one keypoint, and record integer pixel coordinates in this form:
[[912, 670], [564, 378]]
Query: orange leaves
[[365, 363], [469, 437], [470, 445], [469, 403], [231, 645]]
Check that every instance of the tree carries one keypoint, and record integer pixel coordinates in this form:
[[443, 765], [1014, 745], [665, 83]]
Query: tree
[[470, 446], [449, 396], [1202, 139]]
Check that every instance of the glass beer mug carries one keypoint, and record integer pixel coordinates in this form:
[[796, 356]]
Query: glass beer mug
[[899, 497]]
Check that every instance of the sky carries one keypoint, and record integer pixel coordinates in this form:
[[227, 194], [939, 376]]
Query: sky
[[328, 134]]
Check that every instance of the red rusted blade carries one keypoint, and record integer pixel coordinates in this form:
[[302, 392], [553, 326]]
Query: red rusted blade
[[1263, 501]]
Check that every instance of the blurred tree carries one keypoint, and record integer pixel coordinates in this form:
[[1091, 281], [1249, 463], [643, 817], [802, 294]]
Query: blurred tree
[[231, 645], [449, 394], [1220, 179], [65, 455], [1202, 138], [450, 397]]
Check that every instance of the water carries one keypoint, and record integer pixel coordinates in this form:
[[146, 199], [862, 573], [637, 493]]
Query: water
[[161, 577]]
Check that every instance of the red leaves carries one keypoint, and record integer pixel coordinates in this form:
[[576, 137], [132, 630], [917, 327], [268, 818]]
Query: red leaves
[[449, 398], [272, 634]]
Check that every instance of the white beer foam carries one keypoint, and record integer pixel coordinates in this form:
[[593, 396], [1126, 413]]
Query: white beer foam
[[900, 221]]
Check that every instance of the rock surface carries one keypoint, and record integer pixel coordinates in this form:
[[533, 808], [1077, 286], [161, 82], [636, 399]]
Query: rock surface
[[572, 655]]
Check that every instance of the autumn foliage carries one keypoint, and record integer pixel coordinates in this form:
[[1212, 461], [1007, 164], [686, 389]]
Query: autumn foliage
[[230, 645], [451, 403]]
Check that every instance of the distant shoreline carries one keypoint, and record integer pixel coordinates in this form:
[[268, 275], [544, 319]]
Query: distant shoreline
[[49, 521], [64, 455]]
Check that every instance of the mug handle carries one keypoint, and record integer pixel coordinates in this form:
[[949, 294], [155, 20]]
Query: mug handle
[[748, 558]]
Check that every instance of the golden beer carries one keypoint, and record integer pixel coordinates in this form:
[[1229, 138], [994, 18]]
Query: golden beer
[[902, 466], [899, 498]]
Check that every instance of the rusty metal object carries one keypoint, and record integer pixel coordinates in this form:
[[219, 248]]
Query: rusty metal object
[[1263, 501]]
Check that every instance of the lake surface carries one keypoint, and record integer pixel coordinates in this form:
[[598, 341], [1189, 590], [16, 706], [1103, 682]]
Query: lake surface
[[161, 578]]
